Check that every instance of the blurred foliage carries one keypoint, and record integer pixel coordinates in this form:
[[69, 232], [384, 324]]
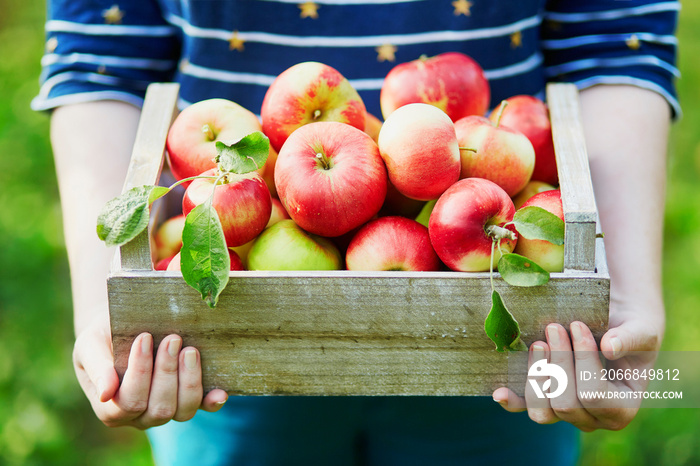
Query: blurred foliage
[[44, 418]]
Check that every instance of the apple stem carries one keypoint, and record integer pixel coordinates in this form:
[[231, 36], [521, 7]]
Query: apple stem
[[208, 132], [504, 104], [493, 243], [317, 114], [499, 233]]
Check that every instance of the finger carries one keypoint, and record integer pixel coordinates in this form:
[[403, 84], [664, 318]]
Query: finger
[[162, 401], [538, 407], [509, 400], [94, 366], [567, 406], [189, 390], [633, 335], [132, 398], [214, 400]]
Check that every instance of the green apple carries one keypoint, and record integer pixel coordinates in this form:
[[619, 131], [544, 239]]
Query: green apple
[[285, 246]]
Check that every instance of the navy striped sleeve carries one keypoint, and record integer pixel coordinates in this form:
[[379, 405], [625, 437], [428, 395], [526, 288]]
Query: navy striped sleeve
[[99, 49], [591, 42]]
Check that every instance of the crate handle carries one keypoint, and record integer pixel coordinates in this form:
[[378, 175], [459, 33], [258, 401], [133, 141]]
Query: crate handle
[[578, 200], [159, 110]]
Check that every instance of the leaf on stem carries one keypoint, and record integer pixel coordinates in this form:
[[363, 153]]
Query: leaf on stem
[[244, 156], [127, 215], [501, 327], [517, 270], [536, 223], [204, 258]]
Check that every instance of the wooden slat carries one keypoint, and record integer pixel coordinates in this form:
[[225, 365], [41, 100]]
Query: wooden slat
[[157, 114], [348, 333], [578, 200]]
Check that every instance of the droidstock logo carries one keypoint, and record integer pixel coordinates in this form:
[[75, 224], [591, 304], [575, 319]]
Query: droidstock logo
[[544, 369]]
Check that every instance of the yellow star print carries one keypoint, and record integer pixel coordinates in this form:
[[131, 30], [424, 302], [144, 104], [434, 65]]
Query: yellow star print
[[462, 7], [235, 42], [113, 16], [309, 10], [516, 40], [386, 52], [633, 42]]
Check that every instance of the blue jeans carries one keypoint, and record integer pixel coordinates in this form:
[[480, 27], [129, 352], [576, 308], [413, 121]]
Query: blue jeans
[[340, 431]]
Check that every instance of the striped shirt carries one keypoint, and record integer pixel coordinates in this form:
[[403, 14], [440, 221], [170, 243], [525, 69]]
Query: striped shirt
[[112, 49]]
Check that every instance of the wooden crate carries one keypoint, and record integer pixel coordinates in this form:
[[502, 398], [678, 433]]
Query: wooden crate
[[357, 333]]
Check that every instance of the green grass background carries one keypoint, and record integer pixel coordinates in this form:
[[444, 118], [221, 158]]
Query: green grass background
[[44, 418]]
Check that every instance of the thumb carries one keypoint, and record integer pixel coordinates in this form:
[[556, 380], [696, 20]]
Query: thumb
[[630, 336], [94, 365]]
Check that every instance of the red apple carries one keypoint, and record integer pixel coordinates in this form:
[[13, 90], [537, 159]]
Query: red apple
[[268, 172], [236, 263], [451, 81], [305, 93], [330, 178], [462, 224], [530, 116], [496, 153], [530, 189], [547, 255], [168, 237], [164, 263], [191, 141], [242, 202], [392, 243], [419, 146], [285, 246]]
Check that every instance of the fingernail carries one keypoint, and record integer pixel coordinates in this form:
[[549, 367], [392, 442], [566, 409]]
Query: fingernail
[[190, 358], [174, 347], [616, 345], [221, 403], [553, 335], [146, 344], [537, 352], [576, 332]]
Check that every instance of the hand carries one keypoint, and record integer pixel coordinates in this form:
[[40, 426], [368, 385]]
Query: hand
[[632, 332], [150, 394]]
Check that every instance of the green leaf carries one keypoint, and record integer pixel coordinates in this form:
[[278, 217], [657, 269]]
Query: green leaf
[[204, 258], [521, 271], [501, 327], [244, 156], [127, 215], [536, 223]]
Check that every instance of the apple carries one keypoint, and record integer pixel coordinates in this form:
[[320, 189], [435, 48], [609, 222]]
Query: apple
[[530, 189], [419, 146], [242, 202], [530, 116], [547, 255], [392, 243], [330, 178], [305, 93], [191, 141], [372, 126], [168, 237], [164, 263], [268, 172], [451, 81], [465, 220], [495, 152], [278, 214], [236, 263], [285, 246]]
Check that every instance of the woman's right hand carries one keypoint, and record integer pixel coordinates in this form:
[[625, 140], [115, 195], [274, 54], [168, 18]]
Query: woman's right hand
[[153, 391]]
